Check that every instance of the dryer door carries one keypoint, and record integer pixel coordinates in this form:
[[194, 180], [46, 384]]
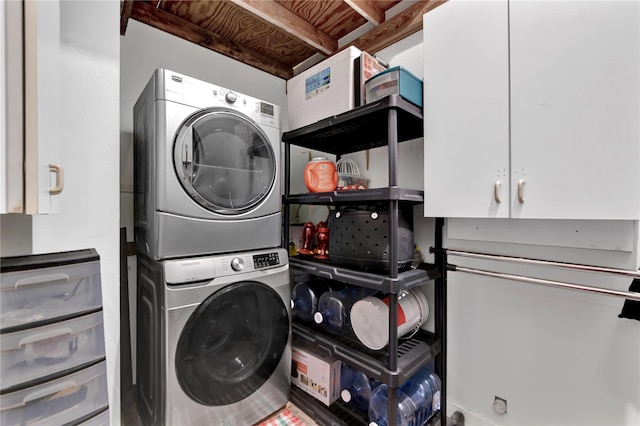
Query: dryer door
[[224, 161], [232, 343]]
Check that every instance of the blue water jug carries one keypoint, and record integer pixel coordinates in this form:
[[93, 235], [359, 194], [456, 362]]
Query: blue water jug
[[334, 308], [356, 388], [306, 294], [436, 385], [414, 402]]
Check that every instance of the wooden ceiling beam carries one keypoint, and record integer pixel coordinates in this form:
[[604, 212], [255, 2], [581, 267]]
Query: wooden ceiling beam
[[165, 21], [405, 23], [288, 21], [125, 14], [367, 9]]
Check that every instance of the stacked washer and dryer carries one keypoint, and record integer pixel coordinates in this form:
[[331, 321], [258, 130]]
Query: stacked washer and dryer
[[213, 316]]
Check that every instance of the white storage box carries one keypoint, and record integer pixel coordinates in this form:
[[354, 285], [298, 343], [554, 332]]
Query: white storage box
[[37, 353], [324, 90], [32, 296], [60, 401], [315, 373]]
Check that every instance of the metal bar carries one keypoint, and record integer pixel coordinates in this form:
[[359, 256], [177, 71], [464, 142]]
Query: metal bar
[[549, 283], [587, 268]]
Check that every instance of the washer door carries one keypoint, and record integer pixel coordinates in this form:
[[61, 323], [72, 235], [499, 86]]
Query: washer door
[[224, 161], [232, 343]]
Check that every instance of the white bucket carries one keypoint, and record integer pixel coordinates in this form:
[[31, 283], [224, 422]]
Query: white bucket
[[370, 317]]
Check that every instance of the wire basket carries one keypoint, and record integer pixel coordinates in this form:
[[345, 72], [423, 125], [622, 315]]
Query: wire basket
[[349, 175]]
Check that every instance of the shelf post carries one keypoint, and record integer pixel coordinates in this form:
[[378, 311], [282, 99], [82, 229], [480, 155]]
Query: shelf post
[[286, 220], [440, 293], [392, 143]]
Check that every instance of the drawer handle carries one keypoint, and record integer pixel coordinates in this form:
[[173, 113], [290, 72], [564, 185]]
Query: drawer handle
[[42, 279], [50, 390], [46, 336], [59, 171], [496, 191], [521, 191]]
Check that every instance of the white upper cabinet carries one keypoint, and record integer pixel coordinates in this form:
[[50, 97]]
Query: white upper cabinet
[[30, 99], [44, 178], [466, 109], [532, 109]]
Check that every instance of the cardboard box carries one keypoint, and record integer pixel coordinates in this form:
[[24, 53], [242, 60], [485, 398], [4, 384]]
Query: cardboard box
[[331, 87], [316, 373]]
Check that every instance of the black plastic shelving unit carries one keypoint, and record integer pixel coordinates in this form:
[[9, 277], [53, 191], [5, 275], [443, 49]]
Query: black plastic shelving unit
[[413, 352], [388, 121]]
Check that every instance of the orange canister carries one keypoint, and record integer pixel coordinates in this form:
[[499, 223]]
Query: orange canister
[[321, 175]]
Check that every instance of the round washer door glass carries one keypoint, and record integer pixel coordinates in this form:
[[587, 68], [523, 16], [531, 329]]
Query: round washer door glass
[[224, 160], [232, 343]]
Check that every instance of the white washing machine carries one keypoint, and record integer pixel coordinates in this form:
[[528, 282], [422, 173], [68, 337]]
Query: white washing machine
[[207, 169], [214, 338]]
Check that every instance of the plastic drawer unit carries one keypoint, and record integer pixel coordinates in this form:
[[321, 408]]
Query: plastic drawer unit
[[394, 81], [35, 290], [80, 395], [100, 419], [49, 351]]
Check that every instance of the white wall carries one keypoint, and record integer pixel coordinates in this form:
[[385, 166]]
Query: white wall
[[89, 205]]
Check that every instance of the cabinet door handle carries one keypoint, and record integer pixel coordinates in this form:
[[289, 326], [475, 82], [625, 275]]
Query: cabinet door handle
[[59, 171], [521, 191], [496, 191]]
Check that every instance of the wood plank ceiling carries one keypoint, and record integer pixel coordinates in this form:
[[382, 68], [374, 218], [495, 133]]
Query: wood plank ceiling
[[277, 36]]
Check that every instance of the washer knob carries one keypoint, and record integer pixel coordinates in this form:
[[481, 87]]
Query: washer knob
[[230, 97], [237, 264]]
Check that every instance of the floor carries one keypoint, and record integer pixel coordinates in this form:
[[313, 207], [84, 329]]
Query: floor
[[130, 416]]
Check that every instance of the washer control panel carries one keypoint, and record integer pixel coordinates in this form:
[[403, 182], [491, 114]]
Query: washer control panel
[[184, 271], [265, 260]]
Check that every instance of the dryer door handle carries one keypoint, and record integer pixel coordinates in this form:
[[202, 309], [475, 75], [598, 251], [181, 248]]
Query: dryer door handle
[[187, 154]]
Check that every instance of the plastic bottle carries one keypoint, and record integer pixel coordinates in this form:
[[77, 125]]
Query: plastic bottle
[[334, 308], [305, 296], [414, 402], [356, 388], [320, 175]]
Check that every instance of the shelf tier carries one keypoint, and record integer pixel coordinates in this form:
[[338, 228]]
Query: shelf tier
[[338, 413], [405, 280], [361, 128], [413, 352], [409, 196]]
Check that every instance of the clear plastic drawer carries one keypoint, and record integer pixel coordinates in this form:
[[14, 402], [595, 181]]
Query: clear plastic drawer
[[59, 401], [101, 419], [35, 296], [43, 352]]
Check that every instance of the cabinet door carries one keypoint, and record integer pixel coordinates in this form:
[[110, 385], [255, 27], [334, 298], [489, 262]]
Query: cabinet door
[[466, 109], [575, 129], [43, 181], [11, 104]]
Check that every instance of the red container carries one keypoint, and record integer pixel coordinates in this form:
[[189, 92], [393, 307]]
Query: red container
[[321, 175]]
